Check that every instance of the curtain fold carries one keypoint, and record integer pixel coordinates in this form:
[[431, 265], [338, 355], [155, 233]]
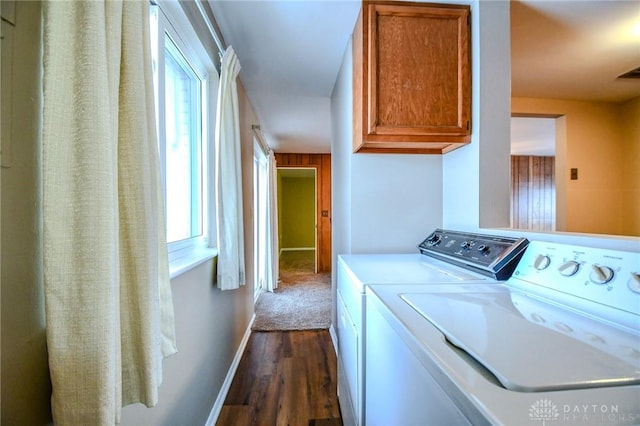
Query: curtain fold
[[108, 301], [272, 255], [229, 213]]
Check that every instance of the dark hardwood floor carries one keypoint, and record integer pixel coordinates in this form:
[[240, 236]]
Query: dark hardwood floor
[[284, 378]]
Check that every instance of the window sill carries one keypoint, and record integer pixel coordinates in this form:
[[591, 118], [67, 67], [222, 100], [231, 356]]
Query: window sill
[[194, 258]]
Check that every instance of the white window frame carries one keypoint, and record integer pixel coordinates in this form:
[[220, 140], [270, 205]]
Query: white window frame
[[260, 182], [171, 20]]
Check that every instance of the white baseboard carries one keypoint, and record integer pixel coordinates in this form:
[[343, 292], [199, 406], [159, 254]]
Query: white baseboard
[[297, 249], [222, 395]]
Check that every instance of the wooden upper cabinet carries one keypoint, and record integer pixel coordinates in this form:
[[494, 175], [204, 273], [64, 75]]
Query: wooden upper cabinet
[[411, 77]]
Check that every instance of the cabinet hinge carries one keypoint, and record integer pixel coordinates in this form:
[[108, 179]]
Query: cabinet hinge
[[467, 125]]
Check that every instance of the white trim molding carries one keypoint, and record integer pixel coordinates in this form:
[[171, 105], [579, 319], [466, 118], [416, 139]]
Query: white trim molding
[[222, 395]]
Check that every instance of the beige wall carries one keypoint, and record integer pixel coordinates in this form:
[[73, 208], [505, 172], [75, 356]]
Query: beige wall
[[600, 140], [630, 116], [24, 372], [210, 324]]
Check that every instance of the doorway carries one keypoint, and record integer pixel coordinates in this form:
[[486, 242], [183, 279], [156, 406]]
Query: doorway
[[533, 165], [322, 165], [297, 224]]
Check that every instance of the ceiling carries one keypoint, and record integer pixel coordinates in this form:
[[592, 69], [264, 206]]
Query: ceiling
[[291, 51], [575, 49]]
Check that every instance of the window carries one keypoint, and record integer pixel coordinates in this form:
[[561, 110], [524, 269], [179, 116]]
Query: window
[[182, 145], [185, 93]]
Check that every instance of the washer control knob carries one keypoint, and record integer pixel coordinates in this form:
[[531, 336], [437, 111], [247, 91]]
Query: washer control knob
[[634, 282], [434, 240], [483, 248], [569, 268], [601, 274], [542, 262], [465, 245]]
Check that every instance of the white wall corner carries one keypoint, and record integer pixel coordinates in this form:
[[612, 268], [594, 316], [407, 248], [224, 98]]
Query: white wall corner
[[476, 177]]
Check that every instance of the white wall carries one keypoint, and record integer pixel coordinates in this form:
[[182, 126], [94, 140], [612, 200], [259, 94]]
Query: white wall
[[341, 119], [396, 201], [476, 181], [341, 135], [381, 202]]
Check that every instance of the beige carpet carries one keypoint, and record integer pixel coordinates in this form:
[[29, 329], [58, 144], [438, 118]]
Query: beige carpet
[[302, 301]]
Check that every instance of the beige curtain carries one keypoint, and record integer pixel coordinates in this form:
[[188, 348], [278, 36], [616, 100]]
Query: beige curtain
[[108, 301], [229, 219]]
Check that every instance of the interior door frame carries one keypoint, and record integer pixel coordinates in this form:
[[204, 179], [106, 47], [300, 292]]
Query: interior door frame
[[322, 164], [315, 206]]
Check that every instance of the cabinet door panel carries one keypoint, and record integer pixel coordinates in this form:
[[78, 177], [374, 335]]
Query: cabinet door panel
[[417, 90]]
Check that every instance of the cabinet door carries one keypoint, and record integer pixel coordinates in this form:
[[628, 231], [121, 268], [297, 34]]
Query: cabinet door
[[414, 69]]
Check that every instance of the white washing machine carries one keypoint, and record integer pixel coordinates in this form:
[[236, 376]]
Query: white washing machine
[[556, 344], [445, 257]]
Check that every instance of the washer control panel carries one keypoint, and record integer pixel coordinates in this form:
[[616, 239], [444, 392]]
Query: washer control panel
[[607, 277]]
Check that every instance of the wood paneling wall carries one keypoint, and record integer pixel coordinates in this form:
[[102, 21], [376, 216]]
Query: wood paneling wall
[[322, 164], [533, 194]]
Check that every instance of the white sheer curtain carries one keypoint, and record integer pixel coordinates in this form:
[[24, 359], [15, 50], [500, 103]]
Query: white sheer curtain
[[272, 259], [229, 222], [108, 300]]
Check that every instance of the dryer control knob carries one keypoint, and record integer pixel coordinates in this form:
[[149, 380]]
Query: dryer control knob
[[542, 262], [634, 282], [569, 268], [601, 274]]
